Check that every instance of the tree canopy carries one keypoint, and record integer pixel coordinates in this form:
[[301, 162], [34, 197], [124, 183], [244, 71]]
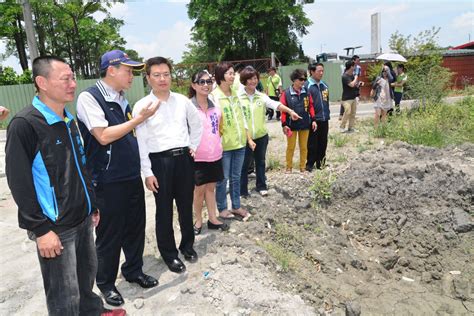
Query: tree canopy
[[241, 29], [66, 29]]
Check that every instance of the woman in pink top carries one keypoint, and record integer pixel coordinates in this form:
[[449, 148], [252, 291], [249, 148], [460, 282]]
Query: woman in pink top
[[208, 156]]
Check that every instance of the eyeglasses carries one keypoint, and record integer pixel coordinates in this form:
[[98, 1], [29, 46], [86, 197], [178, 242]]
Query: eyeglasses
[[165, 75], [302, 79], [203, 82]]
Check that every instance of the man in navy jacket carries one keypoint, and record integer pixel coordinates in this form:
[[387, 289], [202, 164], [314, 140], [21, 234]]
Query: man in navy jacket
[[106, 124], [318, 139]]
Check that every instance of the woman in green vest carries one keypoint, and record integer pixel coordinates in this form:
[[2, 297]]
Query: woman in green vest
[[254, 105], [234, 132]]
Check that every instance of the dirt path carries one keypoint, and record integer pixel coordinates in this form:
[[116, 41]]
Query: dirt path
[[395, 238]]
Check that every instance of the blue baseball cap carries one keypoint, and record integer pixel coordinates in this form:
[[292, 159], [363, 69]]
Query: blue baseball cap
[[117, 57]]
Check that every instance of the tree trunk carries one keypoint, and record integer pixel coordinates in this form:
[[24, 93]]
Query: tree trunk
[[20, 44], [40, 32]]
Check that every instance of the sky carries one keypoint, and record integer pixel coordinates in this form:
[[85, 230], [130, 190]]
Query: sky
[[162, 28]]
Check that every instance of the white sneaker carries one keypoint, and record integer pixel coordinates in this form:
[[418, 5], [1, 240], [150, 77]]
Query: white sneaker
[[342, 130], [263, 192]]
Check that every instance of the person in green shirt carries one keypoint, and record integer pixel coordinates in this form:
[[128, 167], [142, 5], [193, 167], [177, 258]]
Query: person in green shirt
[[398, 86], [234, 131], [273, 90], [254, 105]]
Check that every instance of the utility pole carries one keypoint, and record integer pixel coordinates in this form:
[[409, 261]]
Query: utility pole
[[30, 31]]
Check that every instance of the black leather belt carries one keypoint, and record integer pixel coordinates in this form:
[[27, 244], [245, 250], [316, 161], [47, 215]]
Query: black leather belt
[[171, 152]]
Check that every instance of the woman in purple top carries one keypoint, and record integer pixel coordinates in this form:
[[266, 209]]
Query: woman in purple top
[[208, 156]]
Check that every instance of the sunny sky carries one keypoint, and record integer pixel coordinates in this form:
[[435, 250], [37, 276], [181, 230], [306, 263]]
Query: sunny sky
[[162, 28]]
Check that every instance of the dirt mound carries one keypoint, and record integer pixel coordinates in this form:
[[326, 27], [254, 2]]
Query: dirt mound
[[396, 236]]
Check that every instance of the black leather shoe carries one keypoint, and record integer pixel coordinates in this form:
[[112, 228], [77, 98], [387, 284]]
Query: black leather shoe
[[113, 297], [222, 226], [176, 265], [145, 281], [190, 255]]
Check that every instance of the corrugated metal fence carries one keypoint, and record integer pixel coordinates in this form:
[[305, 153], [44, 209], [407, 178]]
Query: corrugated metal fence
[[332, 77], [16, 97]]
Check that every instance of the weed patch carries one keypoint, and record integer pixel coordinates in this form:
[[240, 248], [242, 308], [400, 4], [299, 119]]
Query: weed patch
[[286, 259], [339, 140], [437, 125], [273, 163], [322, 186]]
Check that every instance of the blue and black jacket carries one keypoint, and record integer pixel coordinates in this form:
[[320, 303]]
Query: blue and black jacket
[[46, 170], [320, 94], [119, 160], [300, 102]]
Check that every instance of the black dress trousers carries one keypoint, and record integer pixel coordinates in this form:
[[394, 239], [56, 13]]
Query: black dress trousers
[[175, 175], [317, 145], [121, 226]]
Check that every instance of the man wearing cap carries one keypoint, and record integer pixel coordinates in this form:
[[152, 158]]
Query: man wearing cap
[[113, 160]]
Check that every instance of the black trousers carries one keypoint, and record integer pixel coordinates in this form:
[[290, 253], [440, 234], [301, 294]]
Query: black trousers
[[317, 145], [121, 226], [175, 177], [270, 112]]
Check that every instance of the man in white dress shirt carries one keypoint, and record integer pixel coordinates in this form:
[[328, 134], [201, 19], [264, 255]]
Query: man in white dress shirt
[[106, 125], [167, 141]]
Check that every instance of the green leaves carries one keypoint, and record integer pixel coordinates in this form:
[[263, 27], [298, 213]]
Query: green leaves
[[66, 29]]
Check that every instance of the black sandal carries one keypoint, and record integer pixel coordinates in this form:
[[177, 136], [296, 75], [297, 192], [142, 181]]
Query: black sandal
[[223, 226], [197, 230]]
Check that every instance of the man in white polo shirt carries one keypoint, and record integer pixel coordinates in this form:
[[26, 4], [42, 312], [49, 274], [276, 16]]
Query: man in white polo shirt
[[107, 128], [167, 141]]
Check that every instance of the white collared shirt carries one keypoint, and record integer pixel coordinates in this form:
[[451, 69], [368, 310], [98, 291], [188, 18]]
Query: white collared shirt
[[175, 124], [89, 110]]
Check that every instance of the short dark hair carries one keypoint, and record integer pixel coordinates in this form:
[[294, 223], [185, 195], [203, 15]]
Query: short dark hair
[[313, 66], [272, 68], [355, 57], [103, 72], [349, 64], [42, 66], [157, 61], [401, 66], [220, 70], [248, 73], [298, 73], [194, 79]]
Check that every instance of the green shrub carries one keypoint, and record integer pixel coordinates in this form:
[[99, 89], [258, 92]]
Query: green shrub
[[322, 186]]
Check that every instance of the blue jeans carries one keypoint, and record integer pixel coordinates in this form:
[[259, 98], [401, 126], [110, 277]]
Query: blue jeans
[[259, 156], [232, 161], [68, 278]]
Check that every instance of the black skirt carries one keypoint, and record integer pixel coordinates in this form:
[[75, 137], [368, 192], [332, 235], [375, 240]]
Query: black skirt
[[208, 172]]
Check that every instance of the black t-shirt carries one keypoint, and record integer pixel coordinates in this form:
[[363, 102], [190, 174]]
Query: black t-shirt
[[348, 93]]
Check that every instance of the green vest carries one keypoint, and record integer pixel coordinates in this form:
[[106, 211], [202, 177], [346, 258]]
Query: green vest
[[234, 134], [254, 111]]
